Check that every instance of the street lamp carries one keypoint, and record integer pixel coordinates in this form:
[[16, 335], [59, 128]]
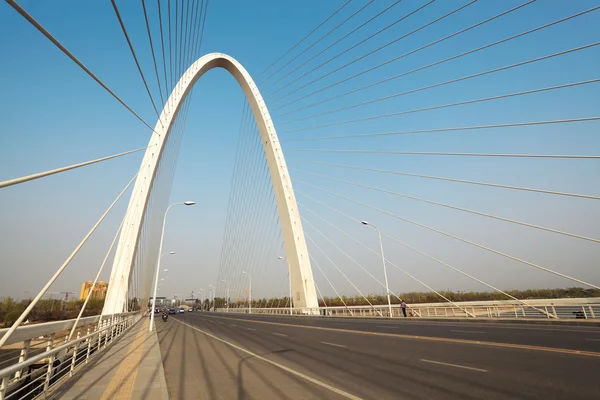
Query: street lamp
[[211, 295], [290, 276], [227, 300], [249, 292], [162, 236], [387, 289], [203, 296], [169, 253]]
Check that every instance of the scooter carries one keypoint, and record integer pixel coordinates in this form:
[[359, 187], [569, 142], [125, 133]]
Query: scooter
[[164, 317]]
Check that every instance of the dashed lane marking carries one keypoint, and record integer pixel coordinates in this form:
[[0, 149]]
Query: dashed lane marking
[[455, 365], [429, 338], [333, 344]]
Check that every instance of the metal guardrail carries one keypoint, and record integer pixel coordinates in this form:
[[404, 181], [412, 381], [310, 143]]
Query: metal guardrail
[[588, 308], [36, 357]]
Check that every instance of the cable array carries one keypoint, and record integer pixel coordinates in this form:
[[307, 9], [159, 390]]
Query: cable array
[[252, 242], [184, 32], [450, 107], [183, 47], [475, 151]]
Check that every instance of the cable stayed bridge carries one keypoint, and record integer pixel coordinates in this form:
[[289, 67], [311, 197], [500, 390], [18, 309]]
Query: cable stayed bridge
[[433, 150]]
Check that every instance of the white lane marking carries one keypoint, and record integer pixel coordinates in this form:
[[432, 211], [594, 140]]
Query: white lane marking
[[333, 344], [593, 340], [233, 325], [459, 331], [454, 365], [251, 329], [279, 334], [276, 364], [504, 326]]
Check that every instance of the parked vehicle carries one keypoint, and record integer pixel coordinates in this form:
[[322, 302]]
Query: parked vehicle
[[181, 310], [172, 311]]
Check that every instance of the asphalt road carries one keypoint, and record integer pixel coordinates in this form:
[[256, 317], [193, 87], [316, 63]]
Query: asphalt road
[[216, 356], [586, 338]]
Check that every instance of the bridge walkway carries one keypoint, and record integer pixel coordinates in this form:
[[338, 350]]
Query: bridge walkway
[[131, 368]]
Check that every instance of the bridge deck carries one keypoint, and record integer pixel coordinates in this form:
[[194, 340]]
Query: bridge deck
[[218, 356], [129, 369]]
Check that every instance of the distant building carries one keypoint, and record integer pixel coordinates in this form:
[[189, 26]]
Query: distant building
[[160, 301], [99, 292]]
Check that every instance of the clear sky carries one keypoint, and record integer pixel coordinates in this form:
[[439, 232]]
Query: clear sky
[[53, 114]]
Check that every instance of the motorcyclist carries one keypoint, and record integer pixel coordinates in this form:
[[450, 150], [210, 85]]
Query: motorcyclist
[[165, 315]]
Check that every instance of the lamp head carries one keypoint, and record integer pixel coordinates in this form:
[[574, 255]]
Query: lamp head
[[364, 222], [189, 203]]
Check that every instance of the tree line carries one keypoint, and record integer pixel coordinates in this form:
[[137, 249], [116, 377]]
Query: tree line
[[46, 310], [420, 297], [56, 309]]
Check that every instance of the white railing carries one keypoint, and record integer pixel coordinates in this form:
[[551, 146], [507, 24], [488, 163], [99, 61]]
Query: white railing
[[36, 357], [582, 308]]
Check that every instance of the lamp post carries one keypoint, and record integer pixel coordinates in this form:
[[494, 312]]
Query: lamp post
[[162, 236], [164, 270], [227, 299], [203, 296], [387, 289], [249, 292], [290, 276]]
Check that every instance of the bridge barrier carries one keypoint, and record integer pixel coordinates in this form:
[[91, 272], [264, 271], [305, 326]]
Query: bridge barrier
[[37, 357], [564, 309]]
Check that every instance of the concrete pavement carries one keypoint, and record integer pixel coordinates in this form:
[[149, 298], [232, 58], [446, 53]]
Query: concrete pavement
[[209, 356], [131, 368]]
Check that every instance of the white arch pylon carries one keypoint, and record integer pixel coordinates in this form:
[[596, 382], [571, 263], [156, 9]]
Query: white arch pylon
[[303, 285]]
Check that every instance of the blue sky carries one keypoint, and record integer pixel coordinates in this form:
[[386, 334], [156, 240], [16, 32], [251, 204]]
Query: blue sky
[[54, 114]]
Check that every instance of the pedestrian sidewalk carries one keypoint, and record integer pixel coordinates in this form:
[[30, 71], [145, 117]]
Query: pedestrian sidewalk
[[131, 368]]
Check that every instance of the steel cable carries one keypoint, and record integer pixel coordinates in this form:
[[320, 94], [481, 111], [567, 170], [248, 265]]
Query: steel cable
[[584, 196], [460, 103], [298, 43], [312, 45]]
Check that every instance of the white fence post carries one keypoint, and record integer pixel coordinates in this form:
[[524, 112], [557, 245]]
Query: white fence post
[[75, 348], [50, 362], [3, 386], [23, 357], [89, 345]]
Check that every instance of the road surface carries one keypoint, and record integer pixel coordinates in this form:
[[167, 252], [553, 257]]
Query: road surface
[[212, 355]]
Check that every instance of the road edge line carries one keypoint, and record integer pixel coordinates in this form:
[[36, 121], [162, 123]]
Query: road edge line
[[276, 364]]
